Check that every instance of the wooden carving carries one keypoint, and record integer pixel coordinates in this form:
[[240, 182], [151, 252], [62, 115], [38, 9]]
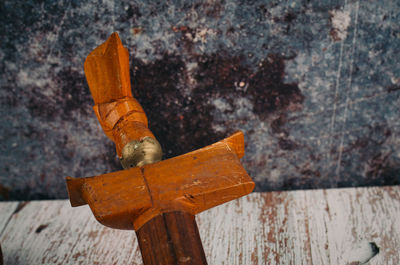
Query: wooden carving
[[158, 199]]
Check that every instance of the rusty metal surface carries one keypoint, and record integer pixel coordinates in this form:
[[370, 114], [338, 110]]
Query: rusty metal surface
[[314, 85]]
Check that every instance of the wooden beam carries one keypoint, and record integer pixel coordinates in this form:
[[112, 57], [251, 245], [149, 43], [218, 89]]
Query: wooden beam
[[171, 238]]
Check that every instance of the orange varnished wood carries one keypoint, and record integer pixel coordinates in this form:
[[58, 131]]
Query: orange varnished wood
[[107, 71], [192, 183], [120, 115], [157, 200], [171, 238]]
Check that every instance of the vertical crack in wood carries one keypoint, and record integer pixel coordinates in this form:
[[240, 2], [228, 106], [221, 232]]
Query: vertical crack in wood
[[169, 240], [147, 186]]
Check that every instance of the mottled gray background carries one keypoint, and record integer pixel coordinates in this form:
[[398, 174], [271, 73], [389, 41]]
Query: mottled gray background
[[314, 85]]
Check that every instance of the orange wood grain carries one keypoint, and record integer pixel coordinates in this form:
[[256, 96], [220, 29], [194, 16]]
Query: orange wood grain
[[193, 182], [120, 115], [175, 238], [145, 197], [107, 71]]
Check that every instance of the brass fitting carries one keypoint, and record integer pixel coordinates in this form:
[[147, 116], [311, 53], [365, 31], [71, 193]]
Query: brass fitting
[[139, 153]]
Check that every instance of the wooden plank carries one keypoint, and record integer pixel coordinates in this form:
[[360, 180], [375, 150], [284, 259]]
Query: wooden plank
[[298, 227], [341, 219], [6, 210], [263, 228], [102, 245], [303, 227], [51, 232]]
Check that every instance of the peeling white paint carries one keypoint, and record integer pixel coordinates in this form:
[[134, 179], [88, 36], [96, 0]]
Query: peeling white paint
[[298, 227], [361, 253]]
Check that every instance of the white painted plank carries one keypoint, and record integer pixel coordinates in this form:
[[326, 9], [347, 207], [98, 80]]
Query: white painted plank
[[343, 218], [372, 215], [103, 245], [24, 244], [298, 227], [266, 228], [68, 236], [318, 213], [6, 210]]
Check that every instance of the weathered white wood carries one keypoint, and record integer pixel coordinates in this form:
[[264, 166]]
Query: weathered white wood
[[263, 228], [304, 227], [341, 219], [6, 210], [298, 227], [103, 245], [52, 232]]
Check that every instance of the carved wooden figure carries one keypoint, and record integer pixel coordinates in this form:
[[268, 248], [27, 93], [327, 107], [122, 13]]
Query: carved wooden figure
[[158, 199]]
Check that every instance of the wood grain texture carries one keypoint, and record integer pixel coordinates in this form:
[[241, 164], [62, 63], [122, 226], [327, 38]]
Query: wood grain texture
[[298, 227], [120, 115], [192, 183], [6, 211], [170, 239]]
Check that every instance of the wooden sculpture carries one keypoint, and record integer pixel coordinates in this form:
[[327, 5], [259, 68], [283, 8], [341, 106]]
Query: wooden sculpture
[[158, 199]]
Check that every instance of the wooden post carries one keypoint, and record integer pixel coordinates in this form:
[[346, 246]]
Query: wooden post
[[171, 238]]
